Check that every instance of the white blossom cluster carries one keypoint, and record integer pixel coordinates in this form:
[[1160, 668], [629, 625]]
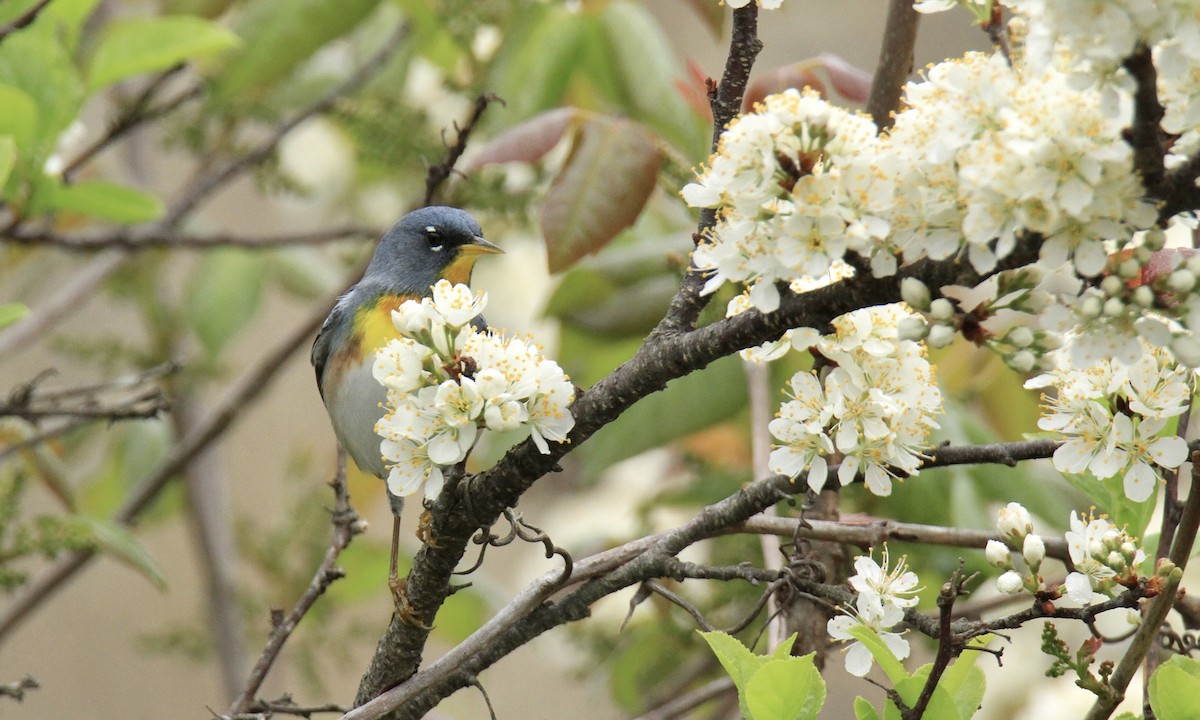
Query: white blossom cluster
[[1113, 417], [447, 382], [883, 594], [793, 184], [875, 405], [1106, 559], [981, 153]]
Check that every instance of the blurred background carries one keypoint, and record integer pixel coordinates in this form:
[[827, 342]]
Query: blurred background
[[133, 634]]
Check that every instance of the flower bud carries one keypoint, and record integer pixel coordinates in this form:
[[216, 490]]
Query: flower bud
[[1143, 296], [1020, 336], [1090, 307], [1034, 551], [941, 310], [1114, 307], [1022, 361], [1014, 521], [1142, 254], [1010, 583], [941, 335], [1193, 264], [1116, 561], [1112, 285], [912, 328], [1181, 281], [1155, 239], [914, 292], [997, 554], [1129, 269]]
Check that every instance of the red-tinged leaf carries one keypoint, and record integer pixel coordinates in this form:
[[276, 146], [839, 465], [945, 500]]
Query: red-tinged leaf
[[529, 141], [837, 80], [695, 89], [601, 190]]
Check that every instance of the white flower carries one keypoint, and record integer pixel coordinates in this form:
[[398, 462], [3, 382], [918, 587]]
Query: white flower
[[1094, 547], [400, 365], [858, 657], [1014, 522], [879, 586], [1033, 551], [456, 304]]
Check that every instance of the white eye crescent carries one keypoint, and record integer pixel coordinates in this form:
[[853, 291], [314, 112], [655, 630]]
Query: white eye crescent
[[434, 237]]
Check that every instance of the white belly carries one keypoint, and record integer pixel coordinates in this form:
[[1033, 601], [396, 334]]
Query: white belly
[[355, 407]]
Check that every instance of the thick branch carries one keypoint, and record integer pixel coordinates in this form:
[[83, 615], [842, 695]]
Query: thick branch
[[895, 61], [725, 100], [1146, 135]]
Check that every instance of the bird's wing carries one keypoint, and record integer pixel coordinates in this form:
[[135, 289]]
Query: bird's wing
[[323, 345]]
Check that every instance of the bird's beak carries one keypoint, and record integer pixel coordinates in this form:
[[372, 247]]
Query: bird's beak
[[479, 246]]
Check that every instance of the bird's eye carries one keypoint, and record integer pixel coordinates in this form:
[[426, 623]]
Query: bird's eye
[[434, 237]]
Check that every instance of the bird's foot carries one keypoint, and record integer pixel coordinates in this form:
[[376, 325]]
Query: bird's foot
[[404, 608], [425, 530]]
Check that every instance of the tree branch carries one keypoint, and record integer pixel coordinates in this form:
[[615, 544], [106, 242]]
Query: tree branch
[[23, 20], [895, 62], [130, 239], [725, 100], [346, 524], [437, 175]]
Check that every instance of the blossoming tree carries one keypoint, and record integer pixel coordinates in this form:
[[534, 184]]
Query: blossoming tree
[[1033, 204]]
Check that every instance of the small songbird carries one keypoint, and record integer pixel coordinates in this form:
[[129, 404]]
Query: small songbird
[[426, 245]]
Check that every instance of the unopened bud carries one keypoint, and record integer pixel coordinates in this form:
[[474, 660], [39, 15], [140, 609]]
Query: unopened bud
[[1181, 281], [1034, 551], [997, 554], [1142, 254], [1014, 521], [1114, 307], [1155, 239], [914, 292], [1022, 361], [1143, 296], [1020, 336], [1112, 285], [1010, 583], [912, 328], [1129, 269], [1090, 307], [941, 335], [941, 310]]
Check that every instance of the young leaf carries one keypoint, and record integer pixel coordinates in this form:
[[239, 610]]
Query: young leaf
[[19, 118], [110, 201], [601, 190], [786, 688], [121, 543], [10, 313], [739, 662], [136, 45], [892, 667], [837, 80], [864, 710], [8, 158], [532, 75], [527, 142], [224, 295], [1174, 688]]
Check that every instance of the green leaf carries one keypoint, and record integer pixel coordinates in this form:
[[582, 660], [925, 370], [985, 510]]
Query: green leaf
[[1174, 688], [11, 313], [965, 682], [278, 36], [119, 203], [19, 117], [687, 405], [739, 662], [8, 158], [648, 72], [864, 710], [135, 45], [224, 295], [538, 62], [941, 706], [891, 666], [36, 62], [121, 543], [786, 688], [608, 177]]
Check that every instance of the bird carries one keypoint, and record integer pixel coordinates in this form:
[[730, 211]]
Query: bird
[[426, 245]]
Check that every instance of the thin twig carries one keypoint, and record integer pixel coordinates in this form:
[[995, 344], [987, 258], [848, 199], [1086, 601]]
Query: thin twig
[[23, 20], [680, 706], [948, 647], [725, 100], [437, 175], [16, 689], [201, 188], [239, 395], [129, 239], [346, 524], [895, 62]]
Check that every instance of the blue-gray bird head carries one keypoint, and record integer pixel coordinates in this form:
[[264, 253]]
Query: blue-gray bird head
[[425, 246]]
